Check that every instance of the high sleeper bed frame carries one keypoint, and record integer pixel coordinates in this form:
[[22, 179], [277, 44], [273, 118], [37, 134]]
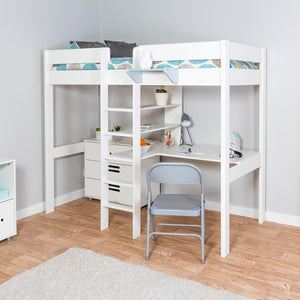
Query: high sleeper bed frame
[[223, 77]]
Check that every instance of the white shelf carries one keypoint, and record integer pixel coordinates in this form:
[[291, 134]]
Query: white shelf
[[7, 199], [128, 132], [148, 107], [143, 108], [124, 133], [158, 127]]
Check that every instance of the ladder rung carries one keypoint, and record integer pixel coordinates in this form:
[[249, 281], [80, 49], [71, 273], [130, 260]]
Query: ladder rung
[[119, 109], [119, 133], [119, 159], [120, 183], [118, 206]]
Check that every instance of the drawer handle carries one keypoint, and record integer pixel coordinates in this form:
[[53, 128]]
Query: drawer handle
[[115, 190], [114, 171], [114, 167], [113, 185], [2, 219]]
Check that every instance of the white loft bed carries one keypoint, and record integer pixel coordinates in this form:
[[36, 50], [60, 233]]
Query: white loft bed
[[224, 77]]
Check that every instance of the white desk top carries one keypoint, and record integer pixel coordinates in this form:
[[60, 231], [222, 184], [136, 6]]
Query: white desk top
[[199, 152]]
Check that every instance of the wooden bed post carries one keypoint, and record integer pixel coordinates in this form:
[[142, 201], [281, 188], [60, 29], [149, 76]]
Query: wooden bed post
[[49, 138], [262, 139], [225, 133]]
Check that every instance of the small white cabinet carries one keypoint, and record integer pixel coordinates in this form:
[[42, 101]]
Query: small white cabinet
[[8, 220], [92, 166]]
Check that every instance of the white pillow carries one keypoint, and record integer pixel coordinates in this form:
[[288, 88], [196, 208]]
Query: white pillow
[[145, 61]]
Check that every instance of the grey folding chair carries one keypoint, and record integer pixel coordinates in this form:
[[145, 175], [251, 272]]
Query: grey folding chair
[[175, 204]]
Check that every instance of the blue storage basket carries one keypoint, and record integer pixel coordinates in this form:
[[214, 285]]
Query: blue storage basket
[[3, 193]]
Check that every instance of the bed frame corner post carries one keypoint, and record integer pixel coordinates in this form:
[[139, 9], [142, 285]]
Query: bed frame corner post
[[48, 138], [262, 138], [225, 134], [104, 222], [136, 121]]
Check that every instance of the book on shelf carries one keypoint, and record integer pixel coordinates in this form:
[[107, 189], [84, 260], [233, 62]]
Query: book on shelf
[[147, 126]]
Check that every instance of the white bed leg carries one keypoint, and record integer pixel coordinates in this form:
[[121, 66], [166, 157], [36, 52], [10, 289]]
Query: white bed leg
[[104, 139], [262, 141], [136, 121], [225, 130], [49, 139]]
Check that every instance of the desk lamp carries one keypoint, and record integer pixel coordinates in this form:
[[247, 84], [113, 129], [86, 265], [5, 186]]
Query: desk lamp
[[185, 123]]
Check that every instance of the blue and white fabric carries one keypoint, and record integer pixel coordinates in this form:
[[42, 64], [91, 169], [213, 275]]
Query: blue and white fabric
[[114, 64], [202, 64], [120, 63], [123, 63]]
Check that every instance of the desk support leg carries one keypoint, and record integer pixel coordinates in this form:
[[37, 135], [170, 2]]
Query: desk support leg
[[225, 133]]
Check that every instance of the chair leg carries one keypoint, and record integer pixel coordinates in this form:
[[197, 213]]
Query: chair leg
[[202, 236], [153, 227], [148, 233]]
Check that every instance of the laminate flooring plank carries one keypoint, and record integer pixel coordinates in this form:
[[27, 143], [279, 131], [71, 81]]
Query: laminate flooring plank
[[264, 262]]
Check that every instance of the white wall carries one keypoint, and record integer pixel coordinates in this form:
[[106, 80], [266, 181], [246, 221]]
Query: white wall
[[272, 24], [28, 27]]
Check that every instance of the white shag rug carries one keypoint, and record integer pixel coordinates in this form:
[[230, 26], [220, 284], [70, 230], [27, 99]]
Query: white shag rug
[[83, 274]]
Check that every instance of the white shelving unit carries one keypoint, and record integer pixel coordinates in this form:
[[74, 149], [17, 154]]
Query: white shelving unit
[[8, 220], [172, 115]]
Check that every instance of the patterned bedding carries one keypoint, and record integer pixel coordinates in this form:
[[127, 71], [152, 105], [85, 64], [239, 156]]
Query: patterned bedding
[[127, 63], [203, 64]]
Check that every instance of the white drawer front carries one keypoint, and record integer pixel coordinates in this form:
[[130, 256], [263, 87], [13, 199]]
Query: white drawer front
[[7, 219], [92, 188], [92, 151], [120, 194], [93, 169], [119, 172]]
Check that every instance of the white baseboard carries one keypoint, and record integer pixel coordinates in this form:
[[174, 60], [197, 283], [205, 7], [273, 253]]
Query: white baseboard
[[283, 219], [69, 197], [210, 205], [40, 207], [31, 210], [253, 213], [234, 209]]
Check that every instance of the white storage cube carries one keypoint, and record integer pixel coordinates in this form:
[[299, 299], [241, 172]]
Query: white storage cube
[[7, 219]]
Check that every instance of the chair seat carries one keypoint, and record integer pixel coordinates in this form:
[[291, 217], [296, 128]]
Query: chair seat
[[176, 205]]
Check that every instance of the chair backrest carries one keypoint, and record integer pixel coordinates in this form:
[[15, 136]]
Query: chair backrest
[[174, 173]]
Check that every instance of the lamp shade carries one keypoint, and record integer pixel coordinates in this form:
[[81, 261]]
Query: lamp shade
[[185, 120]]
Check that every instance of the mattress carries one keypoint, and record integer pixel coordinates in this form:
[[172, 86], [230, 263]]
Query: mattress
[[127, 63], [121, 63]]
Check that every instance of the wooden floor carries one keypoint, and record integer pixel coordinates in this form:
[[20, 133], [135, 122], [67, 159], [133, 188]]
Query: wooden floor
[[264, 262]]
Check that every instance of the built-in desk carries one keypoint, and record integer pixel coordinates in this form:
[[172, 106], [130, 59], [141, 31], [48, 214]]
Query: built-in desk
[[239, 167]]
